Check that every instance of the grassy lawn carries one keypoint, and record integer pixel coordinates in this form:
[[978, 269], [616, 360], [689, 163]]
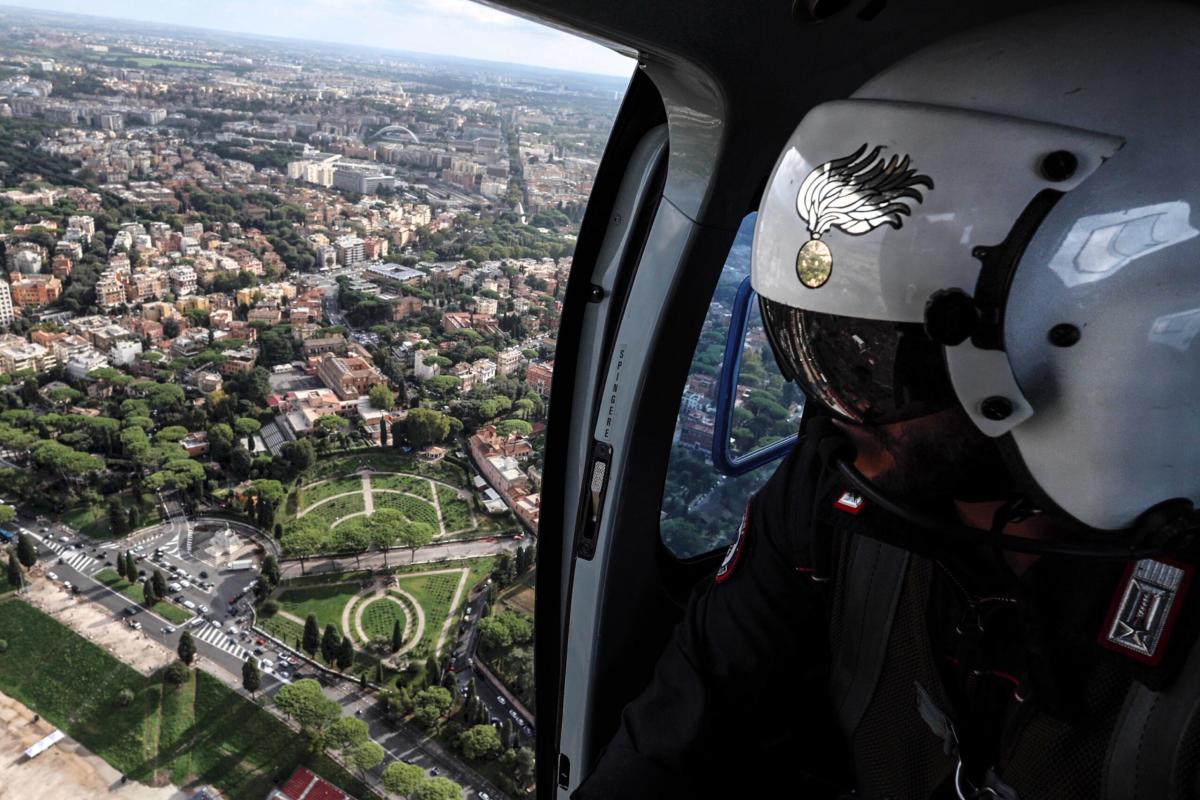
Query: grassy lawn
[[326, 602], [175, 730], [416, 510], [74, 684], [434, 593], [326, 577], [405, 483], [165, 609], [380, 617], [282, 629], [320, 491], [92, 521], [456, 512], [386, 460], [201, 732], [334, 510]]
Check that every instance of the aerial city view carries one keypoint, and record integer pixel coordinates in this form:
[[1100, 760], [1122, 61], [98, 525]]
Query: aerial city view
[[277, 336]]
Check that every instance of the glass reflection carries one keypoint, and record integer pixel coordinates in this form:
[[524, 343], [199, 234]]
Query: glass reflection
[[1099, 245]]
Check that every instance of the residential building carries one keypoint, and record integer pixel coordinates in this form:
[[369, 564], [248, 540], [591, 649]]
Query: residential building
[[125, 352], [508, 360], [466, 376], [349, 250], [327, 344], [78, 366], [485, 370], [195, 443], [34, 290], [486, 305], [238, 361], [424, 371], [189, 343], [209, 382], [267, 314], [405, 306], [110, 292], [61, 266], [6, 305], [183, 280], [539, 375], [696, 429], [16, 354], [306, 785], [349, 377]]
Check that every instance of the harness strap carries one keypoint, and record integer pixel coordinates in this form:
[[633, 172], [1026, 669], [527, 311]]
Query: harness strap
[[873, 579], [1148, 746]]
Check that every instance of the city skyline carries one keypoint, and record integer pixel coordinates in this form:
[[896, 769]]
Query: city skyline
[[451, 28]]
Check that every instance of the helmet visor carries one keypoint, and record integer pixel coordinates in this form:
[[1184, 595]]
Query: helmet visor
[[865, 371]]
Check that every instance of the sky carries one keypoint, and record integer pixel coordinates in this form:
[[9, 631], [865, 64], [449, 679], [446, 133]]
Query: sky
[[446, 27]]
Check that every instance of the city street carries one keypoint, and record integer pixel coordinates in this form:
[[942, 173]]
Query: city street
[[224, 637]]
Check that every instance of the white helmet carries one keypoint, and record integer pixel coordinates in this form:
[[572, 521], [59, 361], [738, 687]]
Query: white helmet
[[1004, 221]]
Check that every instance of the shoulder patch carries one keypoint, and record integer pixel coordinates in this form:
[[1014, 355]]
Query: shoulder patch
[[734, 554]]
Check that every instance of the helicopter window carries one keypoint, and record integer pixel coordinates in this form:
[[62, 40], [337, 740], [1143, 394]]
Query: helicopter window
[[702, 505]]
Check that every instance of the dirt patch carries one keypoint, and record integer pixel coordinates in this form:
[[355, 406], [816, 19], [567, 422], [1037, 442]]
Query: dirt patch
[[521, 601], [98, 625], [67, 771]]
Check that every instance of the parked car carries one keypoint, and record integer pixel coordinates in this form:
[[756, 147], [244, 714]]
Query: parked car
[[189, 605]]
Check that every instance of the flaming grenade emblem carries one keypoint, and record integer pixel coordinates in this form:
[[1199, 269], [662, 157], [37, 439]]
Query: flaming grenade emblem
[[855, 194]]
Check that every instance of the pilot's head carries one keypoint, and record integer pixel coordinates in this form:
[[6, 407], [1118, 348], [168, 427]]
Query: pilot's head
[[991, 247]]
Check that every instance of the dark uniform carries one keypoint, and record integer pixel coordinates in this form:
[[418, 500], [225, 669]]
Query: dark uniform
[[825, 663]]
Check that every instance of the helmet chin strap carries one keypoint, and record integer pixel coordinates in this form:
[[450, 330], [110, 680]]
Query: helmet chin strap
[[1171, 528]]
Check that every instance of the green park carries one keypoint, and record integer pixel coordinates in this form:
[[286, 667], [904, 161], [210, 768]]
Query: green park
[[177, 725], [379, 500], [396, 619]]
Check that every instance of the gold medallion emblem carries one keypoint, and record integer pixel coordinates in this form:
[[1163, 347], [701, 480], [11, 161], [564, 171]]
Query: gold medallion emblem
[[814, 263], [855, 194]]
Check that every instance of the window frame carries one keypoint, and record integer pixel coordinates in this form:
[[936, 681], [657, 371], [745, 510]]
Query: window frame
[[723, 459]]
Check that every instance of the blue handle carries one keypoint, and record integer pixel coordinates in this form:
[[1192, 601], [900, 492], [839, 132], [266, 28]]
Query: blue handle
[[731, 366]]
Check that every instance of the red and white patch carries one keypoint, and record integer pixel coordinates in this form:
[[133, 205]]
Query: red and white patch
[[734, 554], [849, 502], [1146, 607]]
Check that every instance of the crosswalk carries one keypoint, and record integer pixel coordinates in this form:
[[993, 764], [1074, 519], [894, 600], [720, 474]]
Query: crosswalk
[[80, 562], [75, 559], [220, 640], [129, 543]]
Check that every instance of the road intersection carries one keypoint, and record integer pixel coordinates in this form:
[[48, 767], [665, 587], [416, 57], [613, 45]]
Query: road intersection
[[224, 634]]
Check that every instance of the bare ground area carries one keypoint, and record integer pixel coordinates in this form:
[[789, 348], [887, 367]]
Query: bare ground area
[[95, 623], [67, 771]]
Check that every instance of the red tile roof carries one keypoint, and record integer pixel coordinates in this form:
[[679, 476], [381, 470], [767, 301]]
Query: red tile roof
[[304, 785]]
